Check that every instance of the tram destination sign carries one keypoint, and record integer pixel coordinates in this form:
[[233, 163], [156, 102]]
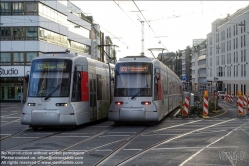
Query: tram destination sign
[[42, 65], [134, 68]]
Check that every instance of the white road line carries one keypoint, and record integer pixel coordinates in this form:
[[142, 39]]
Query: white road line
[[105, 150], [121, 132], [25, 137], [70, 136], [8, 115], [78, 133], [176, 126], [4, 121], [191, 157], [177, 112], [132, 149], [5, 134], [157, 134], [177, 148], [11, 117], [176, 137], [115, 136], [99, 126]]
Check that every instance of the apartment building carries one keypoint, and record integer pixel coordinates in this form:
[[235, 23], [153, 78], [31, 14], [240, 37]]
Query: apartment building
[[228, 53]]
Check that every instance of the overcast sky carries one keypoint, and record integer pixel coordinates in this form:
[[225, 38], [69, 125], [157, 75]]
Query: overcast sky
[[174, 23]]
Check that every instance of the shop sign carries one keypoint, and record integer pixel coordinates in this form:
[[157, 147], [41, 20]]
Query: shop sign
[[13, 71]]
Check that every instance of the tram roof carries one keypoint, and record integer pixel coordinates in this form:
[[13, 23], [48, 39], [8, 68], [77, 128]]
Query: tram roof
[[136, 57]]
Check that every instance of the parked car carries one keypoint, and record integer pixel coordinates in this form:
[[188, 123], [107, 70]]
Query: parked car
[[221, 93]]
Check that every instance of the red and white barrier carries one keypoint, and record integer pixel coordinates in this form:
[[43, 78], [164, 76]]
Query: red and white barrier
[[245, 101], [225, 96], [205, 106], [240, 105], [186, 106]]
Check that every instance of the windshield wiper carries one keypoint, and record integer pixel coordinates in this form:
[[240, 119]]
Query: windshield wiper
[[52, 92], [138, 92]]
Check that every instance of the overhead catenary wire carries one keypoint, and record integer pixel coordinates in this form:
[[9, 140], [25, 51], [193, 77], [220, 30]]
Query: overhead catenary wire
[[148, 23]]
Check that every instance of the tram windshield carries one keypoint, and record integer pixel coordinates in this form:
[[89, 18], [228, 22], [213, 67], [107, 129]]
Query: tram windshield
[[50, 78], [133, 79]]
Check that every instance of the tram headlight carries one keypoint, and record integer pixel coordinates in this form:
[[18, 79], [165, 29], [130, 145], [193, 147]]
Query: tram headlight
[[145, 102], [118, 102], [31, 104], [61, 104]]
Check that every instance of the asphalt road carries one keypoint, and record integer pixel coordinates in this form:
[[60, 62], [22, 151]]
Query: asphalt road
[[221, 140]]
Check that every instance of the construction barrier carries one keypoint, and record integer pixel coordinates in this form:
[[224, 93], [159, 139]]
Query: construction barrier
[[186, 106], [245, 101], [240, 104], [225, 97], [205, 104]]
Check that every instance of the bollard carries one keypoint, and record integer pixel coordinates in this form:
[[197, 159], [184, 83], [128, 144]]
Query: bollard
[[186, 106], [240, 105], [205, 104]]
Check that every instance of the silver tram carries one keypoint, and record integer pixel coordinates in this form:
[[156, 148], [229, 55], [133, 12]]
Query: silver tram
[[67, 89], [144, 90]]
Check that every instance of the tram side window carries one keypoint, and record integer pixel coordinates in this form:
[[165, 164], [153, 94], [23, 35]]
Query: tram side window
[[99, 87], [156, 79], [76, 92]]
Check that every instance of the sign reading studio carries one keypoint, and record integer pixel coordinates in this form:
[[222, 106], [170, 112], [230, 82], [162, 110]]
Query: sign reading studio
[[13, 71]]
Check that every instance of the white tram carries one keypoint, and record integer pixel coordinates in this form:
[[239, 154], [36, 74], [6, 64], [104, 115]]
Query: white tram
[[144, 90], [67, 89]]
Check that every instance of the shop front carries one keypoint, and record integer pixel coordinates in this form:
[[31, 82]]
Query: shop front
[[12, 87]]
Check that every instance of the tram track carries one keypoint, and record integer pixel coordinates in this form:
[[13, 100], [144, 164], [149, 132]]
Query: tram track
[[9, 136], [70, 147], [132, 157], [127, 141], [119, 148]]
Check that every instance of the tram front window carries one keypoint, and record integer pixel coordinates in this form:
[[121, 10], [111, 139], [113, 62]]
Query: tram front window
[[134, 81], [50, 78]]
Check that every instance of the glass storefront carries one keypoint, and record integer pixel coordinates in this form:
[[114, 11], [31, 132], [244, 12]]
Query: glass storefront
[[11, 89]]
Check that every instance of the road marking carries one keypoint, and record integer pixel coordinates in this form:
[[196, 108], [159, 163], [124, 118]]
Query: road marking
[[132, 149], [115, 136], [8, 115], [78, 133], [25, 137], [158, 134], [5, 134], [177, 148], [191, 157], [122, 132], [107, 150], [71, 136]]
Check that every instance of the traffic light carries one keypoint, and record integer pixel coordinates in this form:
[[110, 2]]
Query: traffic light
[[22, 79]]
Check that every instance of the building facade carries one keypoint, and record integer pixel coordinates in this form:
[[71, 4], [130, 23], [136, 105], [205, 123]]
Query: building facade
[[228, 53], [29, 28]]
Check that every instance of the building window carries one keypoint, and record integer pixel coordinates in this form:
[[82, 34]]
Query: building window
[[244, 70], [241, 70], [18, 33], [244, 40], [241, 42], [236, 43], [244, 55], [31, 33], [5, 8], [5, 58], [241, 56], [5, 33], [244, 25], [30, 56], [18, 58], [236, 56], [18, 8], [31, 8]]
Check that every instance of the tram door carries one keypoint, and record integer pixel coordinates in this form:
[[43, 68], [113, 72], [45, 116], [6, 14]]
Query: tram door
[[93, 97]]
